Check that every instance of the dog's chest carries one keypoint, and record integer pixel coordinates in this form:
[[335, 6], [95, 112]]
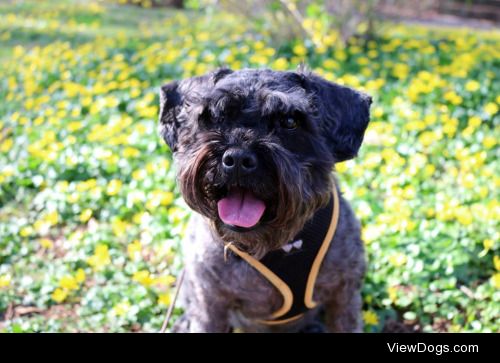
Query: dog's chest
[[255, 297]]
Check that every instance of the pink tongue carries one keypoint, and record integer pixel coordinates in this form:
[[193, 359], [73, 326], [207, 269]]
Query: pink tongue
[[241, 208]]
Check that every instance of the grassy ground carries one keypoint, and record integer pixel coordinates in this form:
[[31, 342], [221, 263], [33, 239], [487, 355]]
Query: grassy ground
[[90, 219]]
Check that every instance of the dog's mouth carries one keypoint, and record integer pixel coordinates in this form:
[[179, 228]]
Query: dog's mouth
[[240, 210]]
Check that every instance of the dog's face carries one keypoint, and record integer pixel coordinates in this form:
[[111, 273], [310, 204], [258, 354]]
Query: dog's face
[[255, 148]]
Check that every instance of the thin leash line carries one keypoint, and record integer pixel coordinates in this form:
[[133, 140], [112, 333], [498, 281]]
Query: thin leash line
[[172, 304]]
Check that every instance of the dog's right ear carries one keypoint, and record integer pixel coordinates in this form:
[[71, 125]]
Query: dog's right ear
[[170, 103]]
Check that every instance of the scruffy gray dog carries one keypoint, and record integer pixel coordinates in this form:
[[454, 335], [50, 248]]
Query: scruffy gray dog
[[272, 246]]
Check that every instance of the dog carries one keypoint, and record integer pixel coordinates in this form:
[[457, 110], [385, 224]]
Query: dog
[[272, 245]]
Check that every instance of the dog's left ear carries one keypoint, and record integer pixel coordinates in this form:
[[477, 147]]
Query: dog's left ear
[[170, 102], [344, 115]]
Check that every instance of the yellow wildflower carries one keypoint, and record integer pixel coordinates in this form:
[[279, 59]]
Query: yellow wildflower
[[300, 50], [130, 152], [474, 121], [134, 250], [80, 276], [114, 187], [119, 227], [496, 262], [488, 244], [491, 108], [46, 243], [121, 309], [68, 282], [463, 215], [59, 295], [489, 142], [398, 259], [85, 215], [164, 299], [495, 280], [280, 64], [370, 317], [5, 280], [472, 86], [143, 277], [100, 258], [400, 70]]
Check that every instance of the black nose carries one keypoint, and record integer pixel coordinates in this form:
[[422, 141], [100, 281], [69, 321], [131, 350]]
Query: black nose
[[239, 161]]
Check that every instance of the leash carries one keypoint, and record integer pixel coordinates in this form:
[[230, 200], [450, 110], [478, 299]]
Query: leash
[[172, 304]]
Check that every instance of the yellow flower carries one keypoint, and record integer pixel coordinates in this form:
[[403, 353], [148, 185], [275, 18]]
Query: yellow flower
[[68, 282], [378, 112], [26, 231], [130, 152], [85, 215], [491, 108], [164, 299], [372, 232], [52, 218], [474, 121], [429, 137], [134, 250], [453, 98], [6, 145], [121, 309], [341, 167], [370, 317], [166, 198], [496, 262], [400, 70], [74, 125], [100, 258], [429, 170], [398, 259], [463, 215], [46, 243], [139, 174], [119, 227], [280, 64], [114, 187], [495, 280], [489, 142], [488, 244], [59, 295], [5, 280], [80, 275], [472, 86], [330, 64], [300, 50], [392, 291], [468, 180], [143, 277]]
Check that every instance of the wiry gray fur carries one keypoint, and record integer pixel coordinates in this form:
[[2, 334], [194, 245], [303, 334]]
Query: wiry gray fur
[[202, 117]]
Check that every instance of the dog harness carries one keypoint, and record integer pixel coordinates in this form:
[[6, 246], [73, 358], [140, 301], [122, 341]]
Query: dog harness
[[293, 268]]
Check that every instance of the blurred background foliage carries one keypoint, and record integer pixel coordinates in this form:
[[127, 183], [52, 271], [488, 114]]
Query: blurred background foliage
[[91, 219]]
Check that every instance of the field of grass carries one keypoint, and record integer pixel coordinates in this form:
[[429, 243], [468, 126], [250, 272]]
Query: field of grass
[[91, 219]]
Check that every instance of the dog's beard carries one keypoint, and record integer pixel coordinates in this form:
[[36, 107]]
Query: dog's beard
[[292, 191]]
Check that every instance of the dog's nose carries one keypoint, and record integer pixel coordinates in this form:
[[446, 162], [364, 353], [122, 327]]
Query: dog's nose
[[239, 161]]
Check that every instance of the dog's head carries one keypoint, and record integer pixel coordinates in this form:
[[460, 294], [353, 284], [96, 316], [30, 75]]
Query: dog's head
[[255, 148]]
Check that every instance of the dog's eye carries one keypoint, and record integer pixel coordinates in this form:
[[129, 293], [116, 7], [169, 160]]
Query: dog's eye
[[289, 123]]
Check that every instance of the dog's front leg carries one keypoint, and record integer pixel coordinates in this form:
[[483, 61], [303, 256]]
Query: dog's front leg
[[206, 305], [343, 311], [208, 318]]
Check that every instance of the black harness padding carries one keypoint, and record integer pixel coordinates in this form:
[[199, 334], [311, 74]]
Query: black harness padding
[[294, 267]]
